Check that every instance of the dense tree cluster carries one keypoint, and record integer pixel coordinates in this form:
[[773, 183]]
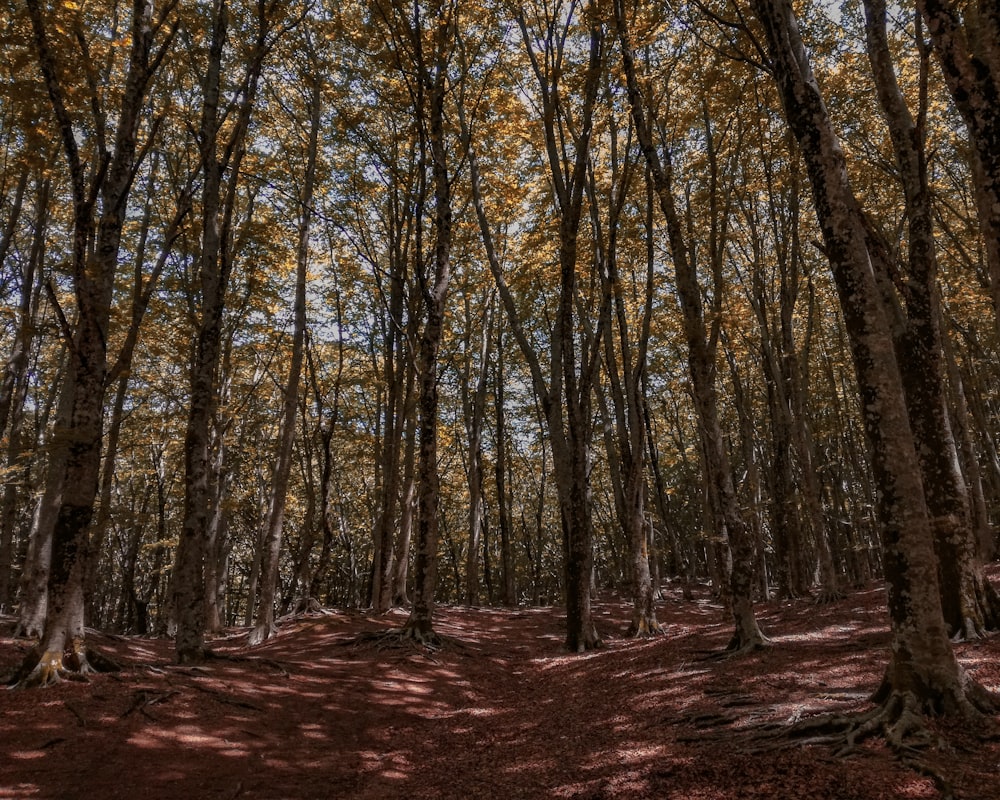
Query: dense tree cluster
[[381, 304]]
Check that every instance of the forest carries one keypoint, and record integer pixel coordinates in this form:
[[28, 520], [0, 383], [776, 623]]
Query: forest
[[413, 313]]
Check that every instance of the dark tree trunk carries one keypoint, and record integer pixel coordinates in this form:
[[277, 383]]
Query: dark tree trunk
[[14, 386], [923, 675], [218, 200], [429, 107], [96, 241], [969, 602]]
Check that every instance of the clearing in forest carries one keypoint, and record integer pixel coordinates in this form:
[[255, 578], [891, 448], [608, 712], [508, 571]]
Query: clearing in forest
[[327, 711]]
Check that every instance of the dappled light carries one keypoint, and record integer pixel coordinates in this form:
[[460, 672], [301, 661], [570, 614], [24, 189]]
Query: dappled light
[[499, 709]]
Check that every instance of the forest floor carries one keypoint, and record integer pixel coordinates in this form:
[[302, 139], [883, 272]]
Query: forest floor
[[500, 711]]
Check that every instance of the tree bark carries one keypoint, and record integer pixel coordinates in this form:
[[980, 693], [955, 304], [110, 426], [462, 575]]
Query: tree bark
[[14, 386], [429, 108], [923, 675], [265, 626], [96, 242], [969, 54], [214, 266], [969, 602], [701, 360]]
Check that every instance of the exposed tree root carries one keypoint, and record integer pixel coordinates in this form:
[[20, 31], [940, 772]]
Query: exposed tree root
[[980, 612], [424, 636], [739, 646], [40, 669], [305, 607], [825, 596], [645, 628], [426, 640], [900, 719], [213, 655]]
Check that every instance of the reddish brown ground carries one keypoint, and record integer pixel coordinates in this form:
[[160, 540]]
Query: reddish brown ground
[[500, 712]]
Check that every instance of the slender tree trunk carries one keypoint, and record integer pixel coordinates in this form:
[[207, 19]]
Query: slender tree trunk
[[500, 467], [33, 605], [14, 386], [429, 107], [966, 41], [214, 266], [627, 444], [407, 508], [265, 627], [701, 362], [474, 406], [564, 399]]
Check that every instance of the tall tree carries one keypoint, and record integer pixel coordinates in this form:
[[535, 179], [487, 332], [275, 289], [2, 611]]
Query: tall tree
[[14, 384], [264, 626], [430, 88], [100, 195], [966, 39], [222, 148], [701, 344], [923, 675], [970, 604]]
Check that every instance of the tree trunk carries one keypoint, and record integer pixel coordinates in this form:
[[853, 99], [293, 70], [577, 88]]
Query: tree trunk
[[509, 592], [923, 675], [969, 602], [96, 242], [565, 397], [13, 389], [429, 108], [214, 266], [969, 55], [701, 357], [474, 407], [627, 445], [265, 627]]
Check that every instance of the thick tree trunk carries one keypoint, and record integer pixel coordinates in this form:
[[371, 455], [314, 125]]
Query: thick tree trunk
[[970, 605], [94, 263], [923, 675]]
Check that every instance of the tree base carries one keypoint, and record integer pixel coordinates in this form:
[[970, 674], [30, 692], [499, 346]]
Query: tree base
[[40, 669], [423, 635], [983, 613], [261, 633], [644, 628], [423, 638], [194, 655], [742, 643], [826, 596]]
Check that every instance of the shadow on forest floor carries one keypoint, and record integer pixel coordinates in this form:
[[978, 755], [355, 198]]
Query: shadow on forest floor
[[499, 711]]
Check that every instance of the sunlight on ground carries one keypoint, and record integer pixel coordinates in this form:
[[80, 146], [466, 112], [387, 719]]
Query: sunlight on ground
[[828, 634], [20, 791], [187, 736]]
